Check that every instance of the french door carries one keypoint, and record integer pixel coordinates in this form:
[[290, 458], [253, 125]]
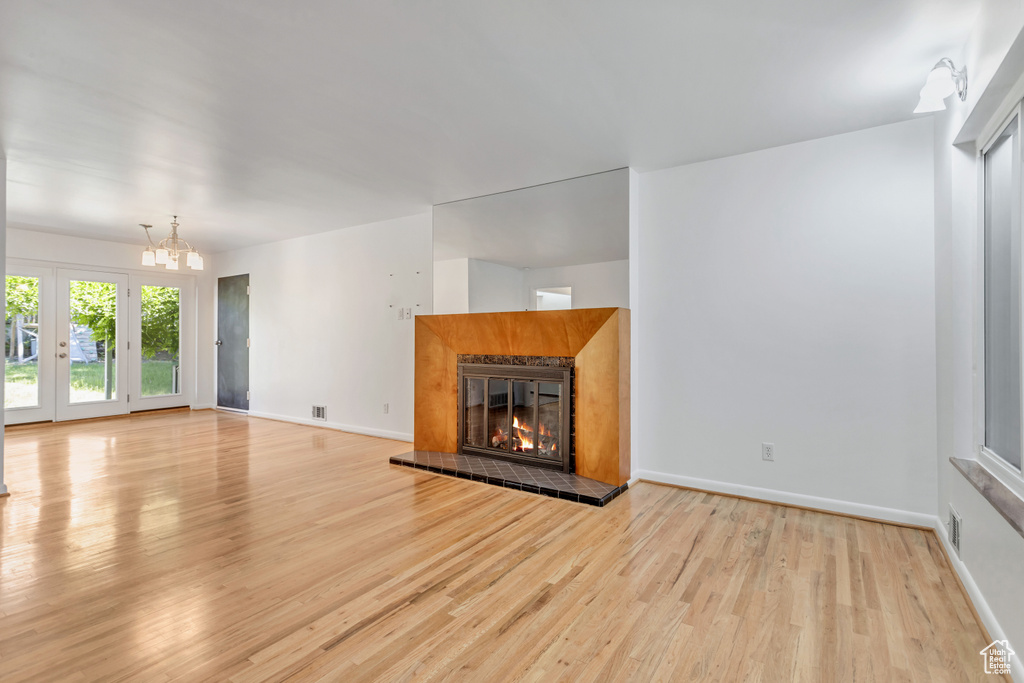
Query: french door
[[30, 361], [91, 336], [78, 346], [160, 310]]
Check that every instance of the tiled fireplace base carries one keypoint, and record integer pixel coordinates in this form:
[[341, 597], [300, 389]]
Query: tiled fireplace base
[[514, 476]]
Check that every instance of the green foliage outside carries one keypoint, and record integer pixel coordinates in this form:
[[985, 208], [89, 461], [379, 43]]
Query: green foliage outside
[[160, 314], [94, 305], [22, 295], [86, 382]]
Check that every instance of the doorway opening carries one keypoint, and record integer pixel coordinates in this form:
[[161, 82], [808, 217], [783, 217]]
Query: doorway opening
[[553, 298]]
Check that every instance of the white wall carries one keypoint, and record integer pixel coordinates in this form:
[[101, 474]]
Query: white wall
[[324, 323], [126, 257], [3, 275], [992, 552], [996, 27], [789, 298], [451, 286], [494, 288], [594, 285]]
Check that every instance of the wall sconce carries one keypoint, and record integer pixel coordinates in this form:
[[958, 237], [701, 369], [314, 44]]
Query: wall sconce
[[943, 81]]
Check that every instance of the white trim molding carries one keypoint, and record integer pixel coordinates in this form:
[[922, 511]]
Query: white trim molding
[[353, 429], [988, 618], [882, 514]]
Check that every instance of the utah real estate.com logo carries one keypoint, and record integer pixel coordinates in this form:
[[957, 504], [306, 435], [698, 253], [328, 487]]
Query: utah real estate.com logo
[[997, 657]]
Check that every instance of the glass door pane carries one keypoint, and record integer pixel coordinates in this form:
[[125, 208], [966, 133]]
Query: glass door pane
[[92, 343], [160, 340], [474, 419], [550, 419], [161, 359], [497, 413], [523, 417], [21, 347], [91, 335]]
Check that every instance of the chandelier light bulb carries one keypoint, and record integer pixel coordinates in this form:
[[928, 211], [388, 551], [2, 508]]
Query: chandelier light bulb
[[168, 252]]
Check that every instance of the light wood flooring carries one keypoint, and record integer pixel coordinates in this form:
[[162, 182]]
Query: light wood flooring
[[210, 546]]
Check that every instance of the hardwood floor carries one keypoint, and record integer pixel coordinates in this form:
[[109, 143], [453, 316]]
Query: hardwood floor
[[210, 546]]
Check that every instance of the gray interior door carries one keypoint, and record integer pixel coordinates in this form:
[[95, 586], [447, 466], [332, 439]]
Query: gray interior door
[[233, 342]]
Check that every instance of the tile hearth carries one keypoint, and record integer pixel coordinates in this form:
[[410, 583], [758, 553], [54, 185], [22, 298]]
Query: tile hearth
[[514, 476]]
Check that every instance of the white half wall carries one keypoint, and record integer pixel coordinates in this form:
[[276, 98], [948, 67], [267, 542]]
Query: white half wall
[[324, 324], [789, 297], [594, 285]]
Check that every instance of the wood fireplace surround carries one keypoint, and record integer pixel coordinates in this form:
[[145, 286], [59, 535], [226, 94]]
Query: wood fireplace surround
[[598, 340]]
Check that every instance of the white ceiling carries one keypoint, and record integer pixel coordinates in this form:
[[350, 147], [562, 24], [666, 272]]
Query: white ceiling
[[262, 119]]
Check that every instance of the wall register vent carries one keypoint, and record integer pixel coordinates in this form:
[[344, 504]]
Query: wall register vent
[[955, 525]]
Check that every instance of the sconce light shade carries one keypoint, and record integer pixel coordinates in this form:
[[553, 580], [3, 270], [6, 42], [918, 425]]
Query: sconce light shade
[[162, 256], [943, 80], [172, 264], [149, 257], [939, 84], [929, 104], [192, 259]]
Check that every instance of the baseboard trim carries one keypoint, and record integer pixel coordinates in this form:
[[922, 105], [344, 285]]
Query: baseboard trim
[[353, 429], [982, 612], [842, 507], [203, 406]]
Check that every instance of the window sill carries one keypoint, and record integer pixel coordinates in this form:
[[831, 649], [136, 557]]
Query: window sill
[[994, 491]]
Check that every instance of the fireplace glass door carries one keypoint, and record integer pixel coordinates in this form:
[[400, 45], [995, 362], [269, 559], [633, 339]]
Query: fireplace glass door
[[513, 413]]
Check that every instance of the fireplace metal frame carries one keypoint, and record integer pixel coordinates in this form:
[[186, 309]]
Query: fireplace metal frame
[[513, 373]]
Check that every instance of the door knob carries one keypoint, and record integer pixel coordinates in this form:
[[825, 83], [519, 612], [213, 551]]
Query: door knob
[[218, 342], [63, 344], [62, 355]]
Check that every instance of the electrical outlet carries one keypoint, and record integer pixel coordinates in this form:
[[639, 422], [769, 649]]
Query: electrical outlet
[[386, 406], [768, 452]]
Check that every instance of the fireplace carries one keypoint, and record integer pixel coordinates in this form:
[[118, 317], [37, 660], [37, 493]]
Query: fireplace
[[517, 408]]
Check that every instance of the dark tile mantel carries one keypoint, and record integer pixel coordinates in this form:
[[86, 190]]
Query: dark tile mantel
[[513, 476], [994, 491]]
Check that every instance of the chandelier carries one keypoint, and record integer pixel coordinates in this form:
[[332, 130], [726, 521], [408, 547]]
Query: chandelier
[[170, 250]]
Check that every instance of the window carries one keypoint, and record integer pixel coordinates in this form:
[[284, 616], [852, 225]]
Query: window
[[1002, 297]]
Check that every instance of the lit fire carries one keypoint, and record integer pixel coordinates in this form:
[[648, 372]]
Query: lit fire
[[524, 434], [524, 438]]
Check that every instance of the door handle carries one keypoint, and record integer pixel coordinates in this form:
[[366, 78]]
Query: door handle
[[218, 342], [62, 355], [63, 344]]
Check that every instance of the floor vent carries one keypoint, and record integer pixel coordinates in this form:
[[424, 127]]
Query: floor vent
[[320, 412], [955, 525]]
